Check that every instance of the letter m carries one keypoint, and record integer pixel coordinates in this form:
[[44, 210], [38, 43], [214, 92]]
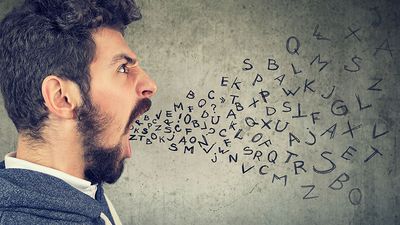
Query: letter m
[[318, 57], [279, 178]]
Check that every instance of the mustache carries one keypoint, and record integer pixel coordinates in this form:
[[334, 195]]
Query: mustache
[[141, 107]]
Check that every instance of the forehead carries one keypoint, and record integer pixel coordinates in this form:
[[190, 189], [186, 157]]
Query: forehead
[[109, 43]]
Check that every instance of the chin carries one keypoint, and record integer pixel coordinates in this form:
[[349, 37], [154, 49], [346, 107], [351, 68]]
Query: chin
[[104, 164]]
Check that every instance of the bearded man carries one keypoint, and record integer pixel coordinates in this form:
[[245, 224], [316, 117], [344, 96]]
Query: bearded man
[[72, 87]]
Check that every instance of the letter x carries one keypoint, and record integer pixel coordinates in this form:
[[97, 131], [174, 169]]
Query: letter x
[[353, 32]]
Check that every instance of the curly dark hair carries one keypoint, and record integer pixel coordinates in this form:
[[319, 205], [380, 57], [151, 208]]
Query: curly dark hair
[[44, 37]]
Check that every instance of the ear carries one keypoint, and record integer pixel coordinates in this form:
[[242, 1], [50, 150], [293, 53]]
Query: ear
[[60, 96]]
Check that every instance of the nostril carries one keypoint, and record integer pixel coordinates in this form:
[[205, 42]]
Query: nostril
[[147, 93]]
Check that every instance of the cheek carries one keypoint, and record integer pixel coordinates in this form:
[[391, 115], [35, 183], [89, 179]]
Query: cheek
[[117, 106], [112, 96]]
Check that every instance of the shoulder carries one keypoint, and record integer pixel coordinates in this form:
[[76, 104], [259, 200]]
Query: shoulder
[[17, 218], [13, 218]]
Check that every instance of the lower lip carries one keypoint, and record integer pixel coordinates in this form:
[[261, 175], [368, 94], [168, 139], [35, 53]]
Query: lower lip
[[128, 149]]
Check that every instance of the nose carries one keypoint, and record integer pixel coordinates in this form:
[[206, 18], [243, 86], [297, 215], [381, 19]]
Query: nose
[[146, 87]]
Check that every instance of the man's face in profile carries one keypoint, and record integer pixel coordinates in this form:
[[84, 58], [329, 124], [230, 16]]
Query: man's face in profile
[[119, 93]]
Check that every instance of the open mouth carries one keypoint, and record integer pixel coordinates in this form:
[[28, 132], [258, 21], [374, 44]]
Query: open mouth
[[141, 107]]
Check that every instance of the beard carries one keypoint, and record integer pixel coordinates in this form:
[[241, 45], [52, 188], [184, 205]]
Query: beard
[[103, 164]]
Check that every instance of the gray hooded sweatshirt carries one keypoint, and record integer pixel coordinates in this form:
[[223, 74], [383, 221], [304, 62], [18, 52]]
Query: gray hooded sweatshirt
[[30, 197]]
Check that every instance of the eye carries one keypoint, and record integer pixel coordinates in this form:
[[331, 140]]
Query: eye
[[123, 68]]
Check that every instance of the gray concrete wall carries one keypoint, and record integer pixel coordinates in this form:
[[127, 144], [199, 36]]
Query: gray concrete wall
[[334, 176]]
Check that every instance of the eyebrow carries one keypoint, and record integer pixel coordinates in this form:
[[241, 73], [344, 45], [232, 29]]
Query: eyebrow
[[122, 56]]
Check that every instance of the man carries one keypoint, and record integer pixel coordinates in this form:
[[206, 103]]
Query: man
[[72, 87]]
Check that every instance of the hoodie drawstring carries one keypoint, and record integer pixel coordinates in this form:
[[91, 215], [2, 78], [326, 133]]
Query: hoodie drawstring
[[105, 218], [114, 214]]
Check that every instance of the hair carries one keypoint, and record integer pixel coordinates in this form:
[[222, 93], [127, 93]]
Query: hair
[[51, 37]]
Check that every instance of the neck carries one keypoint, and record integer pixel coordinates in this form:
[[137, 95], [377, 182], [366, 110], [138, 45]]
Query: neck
[[62, 152]]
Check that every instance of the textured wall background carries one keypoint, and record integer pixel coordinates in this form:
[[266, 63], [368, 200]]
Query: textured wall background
[[341, 168]]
